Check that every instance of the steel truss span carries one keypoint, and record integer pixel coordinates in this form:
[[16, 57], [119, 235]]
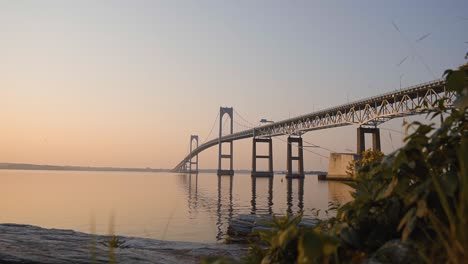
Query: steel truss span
[[366, 112]]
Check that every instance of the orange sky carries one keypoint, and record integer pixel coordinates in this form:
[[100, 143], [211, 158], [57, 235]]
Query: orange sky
[[125, 84]]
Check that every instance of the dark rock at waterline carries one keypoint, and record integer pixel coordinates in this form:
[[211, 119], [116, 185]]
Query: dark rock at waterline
[[244, 227], [32, 244], [395, 252]]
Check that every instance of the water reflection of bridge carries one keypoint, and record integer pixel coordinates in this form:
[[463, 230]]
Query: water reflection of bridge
[[224, 207]]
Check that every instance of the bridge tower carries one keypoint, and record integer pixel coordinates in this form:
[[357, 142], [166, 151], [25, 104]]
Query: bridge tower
[[191, 162], [269, 172], [361, 143], [183, 168], [300, 157], [221, 156]]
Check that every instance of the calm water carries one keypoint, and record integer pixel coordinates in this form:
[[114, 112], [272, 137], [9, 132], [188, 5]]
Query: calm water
[[155, 205]]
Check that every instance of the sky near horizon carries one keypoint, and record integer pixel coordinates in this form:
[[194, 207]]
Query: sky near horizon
[[125, 83]]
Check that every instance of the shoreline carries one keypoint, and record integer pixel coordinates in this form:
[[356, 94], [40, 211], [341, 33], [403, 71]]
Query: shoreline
[[20, 243]]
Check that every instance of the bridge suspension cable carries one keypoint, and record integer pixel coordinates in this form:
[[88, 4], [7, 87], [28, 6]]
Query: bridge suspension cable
[[414, 50], [245, 120], [370, 111], [393, 130], [211, 130], [252, 126], [308, 150], [242, 125], [320, 147]]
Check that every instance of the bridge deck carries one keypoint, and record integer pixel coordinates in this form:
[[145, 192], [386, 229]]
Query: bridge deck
[[372, 111]]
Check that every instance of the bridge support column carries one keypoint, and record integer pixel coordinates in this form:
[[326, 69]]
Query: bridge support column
[[221, 156], [191, 162], [361, 142], [183, 168], [299, 158], [269, 172]]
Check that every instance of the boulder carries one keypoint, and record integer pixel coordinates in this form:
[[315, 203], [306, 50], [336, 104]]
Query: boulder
[[32, 244], [395, 252]]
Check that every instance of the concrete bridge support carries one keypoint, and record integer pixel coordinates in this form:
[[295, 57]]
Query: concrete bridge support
[[255, 172], [299, 158], [221, 156], [183, 169], [191, 162], [361, 142]]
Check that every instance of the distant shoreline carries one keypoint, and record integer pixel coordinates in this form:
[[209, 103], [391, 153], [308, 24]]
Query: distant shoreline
[[26, 166]]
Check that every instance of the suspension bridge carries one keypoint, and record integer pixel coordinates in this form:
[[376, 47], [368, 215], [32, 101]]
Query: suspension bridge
[[367, 114]]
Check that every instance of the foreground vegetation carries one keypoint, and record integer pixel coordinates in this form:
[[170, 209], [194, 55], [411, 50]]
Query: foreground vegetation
[[411, 207]]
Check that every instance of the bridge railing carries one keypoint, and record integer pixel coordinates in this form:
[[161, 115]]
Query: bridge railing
[[272, 129]]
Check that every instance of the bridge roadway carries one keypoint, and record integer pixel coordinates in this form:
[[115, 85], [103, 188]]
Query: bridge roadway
[[366, 112]]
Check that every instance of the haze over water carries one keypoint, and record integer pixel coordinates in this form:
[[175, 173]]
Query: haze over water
[[126, 83], [166, 206]]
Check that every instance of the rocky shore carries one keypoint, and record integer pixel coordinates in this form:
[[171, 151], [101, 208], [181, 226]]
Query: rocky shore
[[28, 244], [244, 227]]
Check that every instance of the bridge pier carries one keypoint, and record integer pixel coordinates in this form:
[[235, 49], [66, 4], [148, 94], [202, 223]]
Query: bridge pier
[[221, 156], [269, 172], [299, 158], [361, 142], [191, 162]]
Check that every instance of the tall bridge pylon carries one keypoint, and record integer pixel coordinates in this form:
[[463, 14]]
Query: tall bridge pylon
[[222, 111], [299, 158], [191, 162], [361, 143], [367, 114], [255, 156]]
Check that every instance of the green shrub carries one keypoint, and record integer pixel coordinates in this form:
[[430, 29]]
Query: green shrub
[[419, 192], [418, 195]]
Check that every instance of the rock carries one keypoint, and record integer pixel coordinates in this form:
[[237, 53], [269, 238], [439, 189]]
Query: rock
[[395, 252], [248, 217], [244, 228], [308, 222], [261, 229], [32, 244]]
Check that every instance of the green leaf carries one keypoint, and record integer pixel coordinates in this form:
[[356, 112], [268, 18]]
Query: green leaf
[[449, 184], [309, 248], [351, 237], [385, 193], [447, 73], [456, 81], [422, 209], [461, 103], [286, 236], [404, 221]]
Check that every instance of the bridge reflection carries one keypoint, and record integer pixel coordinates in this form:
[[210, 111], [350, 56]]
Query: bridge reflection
[[220, 220], [339, 192], [253, 201], [223, 198], [300, 195], [193, 198]]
